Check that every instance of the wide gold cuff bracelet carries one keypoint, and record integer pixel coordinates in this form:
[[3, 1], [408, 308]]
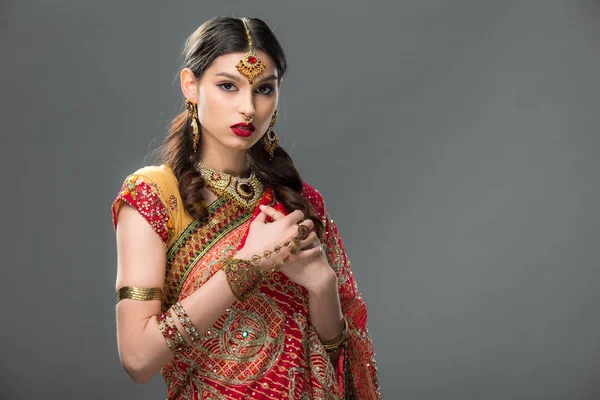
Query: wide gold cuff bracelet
[[140, 294], [243, 277]]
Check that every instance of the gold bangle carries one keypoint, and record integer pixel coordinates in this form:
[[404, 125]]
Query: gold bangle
[[141, 294], [334, 344]]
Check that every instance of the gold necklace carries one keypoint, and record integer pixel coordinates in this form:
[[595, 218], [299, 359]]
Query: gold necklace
[[244, 191]]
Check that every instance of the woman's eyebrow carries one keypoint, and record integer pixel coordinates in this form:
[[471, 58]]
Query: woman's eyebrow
[[268, 78], [226, 75]]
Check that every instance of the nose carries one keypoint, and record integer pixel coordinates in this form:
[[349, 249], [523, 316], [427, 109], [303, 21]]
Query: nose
[[246, 106]]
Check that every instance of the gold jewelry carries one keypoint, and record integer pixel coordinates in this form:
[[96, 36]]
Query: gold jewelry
[[271, 141], [244, 191], [193, 114], [163, 329], [303, 232], [244, 278], [173, 338], [250, 66], [186, 322], [179, 340], [248, 119], [334, 344], [293, 245], [141, 294]]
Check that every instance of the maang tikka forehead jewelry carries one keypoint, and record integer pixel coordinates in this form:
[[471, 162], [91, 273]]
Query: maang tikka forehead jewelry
[[250, 66]]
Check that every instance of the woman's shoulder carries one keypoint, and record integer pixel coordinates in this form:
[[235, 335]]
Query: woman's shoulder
[[153, 191], [161, 175]]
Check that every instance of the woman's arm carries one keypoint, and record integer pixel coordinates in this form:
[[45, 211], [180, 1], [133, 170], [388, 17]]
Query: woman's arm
[[310, 268], [359, 369], [325, 311], [141, 263]]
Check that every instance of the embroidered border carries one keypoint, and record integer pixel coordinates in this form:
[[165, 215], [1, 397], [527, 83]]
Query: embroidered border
[[196, 240], [145, 199]]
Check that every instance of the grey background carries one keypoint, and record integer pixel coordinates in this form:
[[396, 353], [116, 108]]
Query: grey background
[[455, 142]]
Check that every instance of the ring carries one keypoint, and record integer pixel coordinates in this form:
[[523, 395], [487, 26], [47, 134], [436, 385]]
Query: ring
[[303, 232]]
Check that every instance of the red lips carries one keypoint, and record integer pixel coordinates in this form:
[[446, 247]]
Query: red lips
[[243, 129], [244, 125]]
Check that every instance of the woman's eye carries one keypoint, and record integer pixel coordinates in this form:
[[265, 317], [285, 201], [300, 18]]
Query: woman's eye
[[227, 86], [265, 89]]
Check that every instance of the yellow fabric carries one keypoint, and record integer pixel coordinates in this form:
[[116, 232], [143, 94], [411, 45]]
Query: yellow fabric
[[163, 180]]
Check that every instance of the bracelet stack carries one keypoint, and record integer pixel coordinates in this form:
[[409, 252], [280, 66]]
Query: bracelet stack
[[166, 323], [333, 345], [190, 329], [169, 331]]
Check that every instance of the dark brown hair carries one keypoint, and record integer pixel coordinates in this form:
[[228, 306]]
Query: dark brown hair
[[216, 37]]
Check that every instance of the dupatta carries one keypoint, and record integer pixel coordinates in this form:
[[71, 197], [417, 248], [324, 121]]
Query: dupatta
[[264, 347]]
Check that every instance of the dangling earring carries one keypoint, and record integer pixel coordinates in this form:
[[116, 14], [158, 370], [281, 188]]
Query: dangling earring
[[193, 114], [271, 140]]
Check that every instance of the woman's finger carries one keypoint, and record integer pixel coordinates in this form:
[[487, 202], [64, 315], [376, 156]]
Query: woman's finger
[[271, 212], [295, 217], [309, 223], [301, 231], [261, 217], [310, 241], [311, 252]]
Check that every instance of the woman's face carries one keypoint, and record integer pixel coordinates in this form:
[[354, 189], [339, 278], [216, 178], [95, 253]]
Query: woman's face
[[225, 97]]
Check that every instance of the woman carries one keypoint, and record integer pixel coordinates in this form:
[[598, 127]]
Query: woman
[[232, 278]]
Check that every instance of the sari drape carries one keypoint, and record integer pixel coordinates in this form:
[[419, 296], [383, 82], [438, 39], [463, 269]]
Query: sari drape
[[264, 347]]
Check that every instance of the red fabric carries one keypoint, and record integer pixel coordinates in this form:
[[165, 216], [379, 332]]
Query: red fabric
[[144, 198], [267, 200], [361, 354], [359, 351], [264, 347]]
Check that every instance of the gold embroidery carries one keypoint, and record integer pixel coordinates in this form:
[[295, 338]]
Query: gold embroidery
[[269, 335], [173, 202], [144, 195], [243, 344], [334, 252], [198, 238]]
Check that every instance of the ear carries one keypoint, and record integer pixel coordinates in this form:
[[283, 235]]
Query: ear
[[189, 85]]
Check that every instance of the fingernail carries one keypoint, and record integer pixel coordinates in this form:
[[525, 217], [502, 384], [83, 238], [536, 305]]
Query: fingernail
[[262, 206]]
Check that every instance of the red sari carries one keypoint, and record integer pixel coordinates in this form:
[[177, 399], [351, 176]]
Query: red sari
[[264, 347]]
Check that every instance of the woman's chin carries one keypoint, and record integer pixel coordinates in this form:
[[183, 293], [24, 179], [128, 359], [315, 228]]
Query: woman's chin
[[241, 143]]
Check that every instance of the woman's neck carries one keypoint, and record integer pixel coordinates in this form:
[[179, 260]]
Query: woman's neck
[[233, 163]]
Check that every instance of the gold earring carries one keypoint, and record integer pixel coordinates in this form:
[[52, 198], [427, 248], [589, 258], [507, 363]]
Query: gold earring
[[193, 114], [271, 141]]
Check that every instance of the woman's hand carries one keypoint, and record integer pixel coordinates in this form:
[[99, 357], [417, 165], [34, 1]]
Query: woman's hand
[[308, 267], [265, 237]]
